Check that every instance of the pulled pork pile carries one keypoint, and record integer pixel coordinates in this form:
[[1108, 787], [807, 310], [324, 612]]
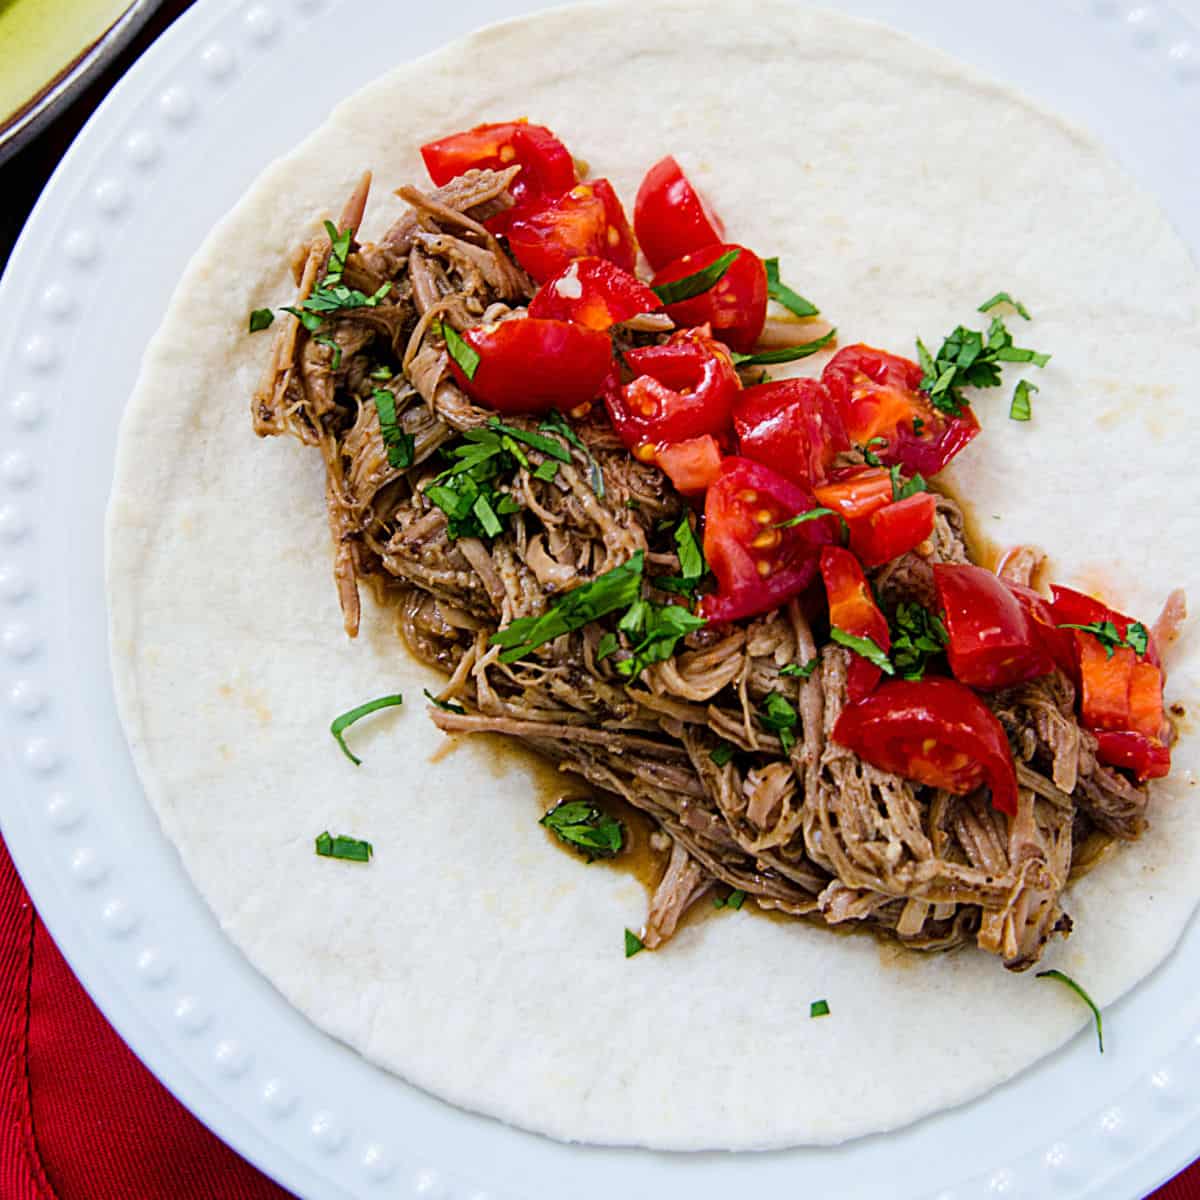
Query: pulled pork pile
[[811, 831]]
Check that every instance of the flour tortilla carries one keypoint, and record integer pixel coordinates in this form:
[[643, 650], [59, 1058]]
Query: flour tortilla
[[469, 957]]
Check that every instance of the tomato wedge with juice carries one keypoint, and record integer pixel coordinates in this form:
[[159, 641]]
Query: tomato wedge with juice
[[936, 732], [992, 639], [853, 610], [587, 221], [593, 292], [757, 564], [880, 527], [682, 389], [547, 168], [671, 217], [527, 365], [878, 395], [791, 426], [735, 306], [692, 466]]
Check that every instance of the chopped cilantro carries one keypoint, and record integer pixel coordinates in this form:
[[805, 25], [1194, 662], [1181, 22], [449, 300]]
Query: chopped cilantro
[[721, 754], [780, 291], [585, 827], [400, 446], [778, 715], [615, 589], [342, 723], [869, 456], [785, 353], [1137, 638], [698, 282], [330, 343], [801, 672], [917, 635], [557, 423], [811, 514], [1021, 409], [819, 1008], [633, 944], [864, 647], [902, 491], [445, 705], [1005, 298], [347, 848], [655, 631], [547, 472], [1063, 977], [466, 356], [734, 900], [607, 646], [261, 318]]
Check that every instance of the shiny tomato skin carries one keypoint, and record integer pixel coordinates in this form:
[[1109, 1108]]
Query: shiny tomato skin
[[1078, 608], [682, 389], [853, 610], [893, 529], [1058, 643], [587, 221], [593, 292], [791, 426], [693, 465], [936, 732], [547, 168], [735, 307], [671, 217], [527, 365], [856, 493], [878, 395], [1146, 757], [757, 565], [992, 640]]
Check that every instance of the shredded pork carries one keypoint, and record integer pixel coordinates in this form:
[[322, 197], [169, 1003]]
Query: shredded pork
[[811, 831]]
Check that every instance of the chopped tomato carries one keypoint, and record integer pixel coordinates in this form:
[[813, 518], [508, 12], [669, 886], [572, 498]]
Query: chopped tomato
[[857, 493], [547, 168], [587, 221], [894, 529], [1146, 699], [1076, 608], [853, 610], [993, 642], [1106, 680], [758, 565], [879, 396], [593, 292], [1058, 643], [936, 732], [693, 465], [682, 389], [791, 426], [1146, 757], [880, 528], [735, 306], [671, 217], [531, 365]]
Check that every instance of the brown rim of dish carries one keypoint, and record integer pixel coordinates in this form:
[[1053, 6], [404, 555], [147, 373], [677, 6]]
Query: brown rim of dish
[[65, 87]]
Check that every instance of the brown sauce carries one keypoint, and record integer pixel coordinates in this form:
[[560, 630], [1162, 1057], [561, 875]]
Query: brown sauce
[[982, 548]]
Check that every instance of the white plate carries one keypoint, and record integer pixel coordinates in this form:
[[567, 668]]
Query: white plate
[[233, 84]]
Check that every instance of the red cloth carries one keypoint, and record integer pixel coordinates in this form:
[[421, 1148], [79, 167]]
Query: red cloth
[[82, 1119]]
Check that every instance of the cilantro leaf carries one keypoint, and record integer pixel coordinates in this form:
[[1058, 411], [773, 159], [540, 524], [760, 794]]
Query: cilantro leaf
[[734, 900], [1064, 978], [811, 514], [865, 647], [780, 292], [697, 283], [917, 635], [902, 491], [555, 422], [655, 631], [721, 754], [801, 672], [869, 456], [445, 705], [1005, 298], [339, 248], [261, 318], [818, 1008], [608, 645], [633, 944], [778, 715], [785, 353], [585, 827], [1021, 409], [342, 723], [466, 356], [1137, 637], [615, 589], [549, 446], [347, 848], [548, 471], [400, 446]]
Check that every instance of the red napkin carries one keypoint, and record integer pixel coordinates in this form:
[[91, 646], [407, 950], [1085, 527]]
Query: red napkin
[[82, 1119]]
